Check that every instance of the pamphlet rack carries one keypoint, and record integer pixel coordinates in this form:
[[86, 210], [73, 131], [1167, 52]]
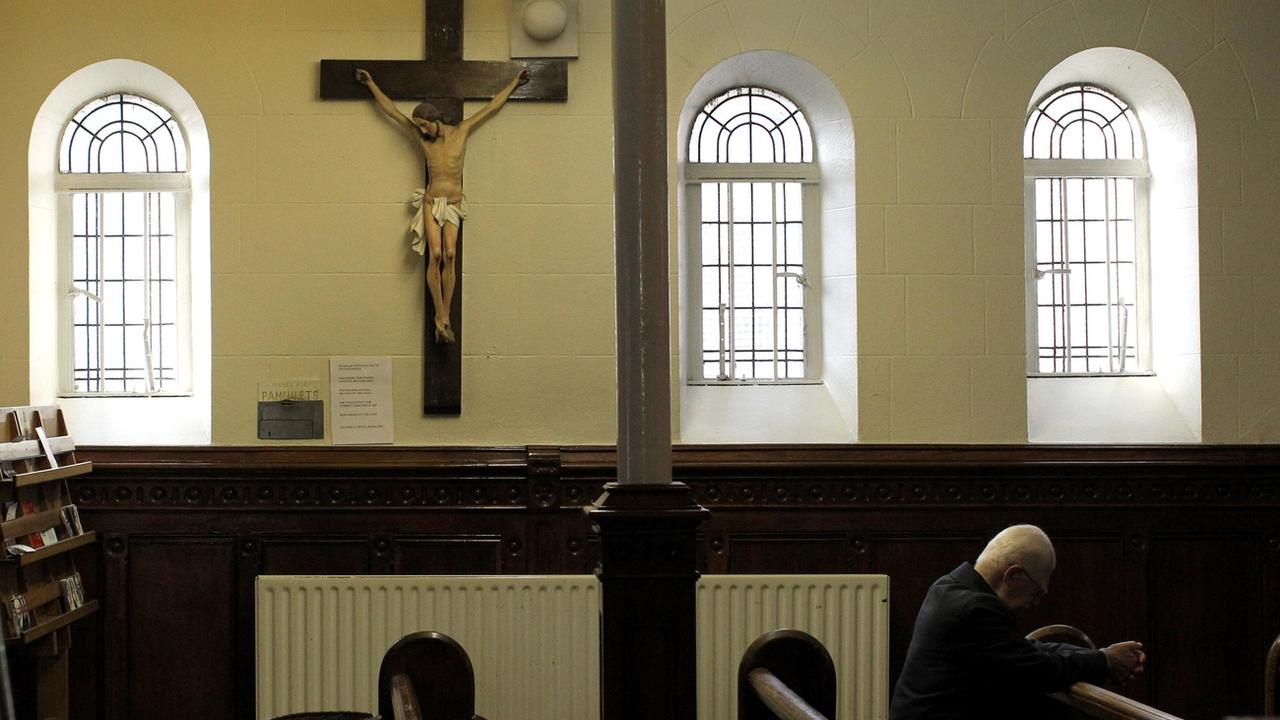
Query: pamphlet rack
[[41, 593]]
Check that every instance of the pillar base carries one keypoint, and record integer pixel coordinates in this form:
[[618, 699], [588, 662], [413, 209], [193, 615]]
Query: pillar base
[[648, 576]]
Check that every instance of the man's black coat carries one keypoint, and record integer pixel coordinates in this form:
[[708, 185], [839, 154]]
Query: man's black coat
[[967, 659]]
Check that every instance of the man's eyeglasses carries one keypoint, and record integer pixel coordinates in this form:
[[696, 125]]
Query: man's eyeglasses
[[1040, 591]]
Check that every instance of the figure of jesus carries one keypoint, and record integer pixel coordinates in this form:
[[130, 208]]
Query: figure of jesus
[[441, 206]]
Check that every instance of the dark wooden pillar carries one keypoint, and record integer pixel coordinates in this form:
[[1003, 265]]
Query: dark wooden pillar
[[648, 576]]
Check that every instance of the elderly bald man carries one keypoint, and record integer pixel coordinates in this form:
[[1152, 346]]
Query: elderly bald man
[[967, 658]]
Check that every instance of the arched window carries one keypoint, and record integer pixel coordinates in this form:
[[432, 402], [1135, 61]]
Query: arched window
[[750, 154], [1087, 250], [119, 296], [124, 209], [1112, 253]]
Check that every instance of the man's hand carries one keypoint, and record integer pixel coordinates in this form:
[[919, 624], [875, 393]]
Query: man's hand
[[1125, 660], [363, 77]]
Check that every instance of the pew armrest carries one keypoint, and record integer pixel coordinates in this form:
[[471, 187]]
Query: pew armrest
[[1097, 702]]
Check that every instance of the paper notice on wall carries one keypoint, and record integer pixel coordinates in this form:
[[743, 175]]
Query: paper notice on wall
[[360, 394]]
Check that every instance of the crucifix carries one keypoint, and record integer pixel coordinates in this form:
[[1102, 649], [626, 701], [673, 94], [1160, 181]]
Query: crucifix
[[444, 80]]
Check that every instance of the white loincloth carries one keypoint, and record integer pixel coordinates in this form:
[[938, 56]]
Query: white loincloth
[[441, 209]]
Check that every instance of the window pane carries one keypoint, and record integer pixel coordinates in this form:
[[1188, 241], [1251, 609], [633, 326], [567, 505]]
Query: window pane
[[1094, 140], [788, 197], [1042, 197], [1075, 241], [1073, 189], [741, 201], [750, 124], [795, 330], [762, 293], [1095, 284], [793, 251], [1095, 199], [1046, 237], [164, 257], [134, 301], [1081, 312], [764, 370], [122, 133], [762, 202], [113, 302], [743, 244], [112, 213], [742, 287], [1096, 124], [762, 243], [139, 287], [1095, 241], [711, 201], [752, 244], [714, 292], [763, 330]]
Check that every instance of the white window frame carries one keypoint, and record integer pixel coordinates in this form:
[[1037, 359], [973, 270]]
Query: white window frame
[[808, 175], [747, 173], [179, 185], [1136, 169]]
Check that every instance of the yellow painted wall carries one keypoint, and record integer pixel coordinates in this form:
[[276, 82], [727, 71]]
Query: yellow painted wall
[[310, 254]]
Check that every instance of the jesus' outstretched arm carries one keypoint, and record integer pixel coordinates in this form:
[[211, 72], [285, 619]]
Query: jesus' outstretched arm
[[497, 102], [384, 103]]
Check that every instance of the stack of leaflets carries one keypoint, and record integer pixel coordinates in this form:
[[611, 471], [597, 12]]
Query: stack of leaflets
[[71, 521], [18, 614], [72, 592]]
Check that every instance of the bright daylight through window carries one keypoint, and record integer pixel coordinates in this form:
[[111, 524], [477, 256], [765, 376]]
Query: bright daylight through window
[[124, 188], [1087, 251], [751, 151]]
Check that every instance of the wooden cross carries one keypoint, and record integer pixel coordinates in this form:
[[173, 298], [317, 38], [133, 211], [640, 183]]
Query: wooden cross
[[445, 80]]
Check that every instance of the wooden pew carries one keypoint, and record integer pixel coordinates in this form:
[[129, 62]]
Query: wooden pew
[[1088, 700], [427, 670], [786, 674]]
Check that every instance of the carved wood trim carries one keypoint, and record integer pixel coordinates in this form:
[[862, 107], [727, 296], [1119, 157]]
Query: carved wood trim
[[555, 478]]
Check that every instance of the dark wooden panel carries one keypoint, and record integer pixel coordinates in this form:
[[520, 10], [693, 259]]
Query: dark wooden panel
[[314, 556], [86, 641], [181, 628], [752, 554], [458, 555], [1202, 621], [912, 564], [1087, 589], [912, 512]]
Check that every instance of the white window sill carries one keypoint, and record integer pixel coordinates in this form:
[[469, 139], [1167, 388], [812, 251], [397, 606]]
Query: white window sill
[[1103, 410], [773, 413]]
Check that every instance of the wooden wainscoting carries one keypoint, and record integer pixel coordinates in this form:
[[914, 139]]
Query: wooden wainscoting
[[1176, 546]]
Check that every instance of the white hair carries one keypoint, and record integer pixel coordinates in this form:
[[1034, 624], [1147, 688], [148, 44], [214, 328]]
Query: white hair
[[1025, 545]]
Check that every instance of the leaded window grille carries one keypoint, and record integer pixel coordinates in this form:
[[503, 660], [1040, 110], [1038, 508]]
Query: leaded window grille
[[124, 195], [1087, 248], [753, 198]]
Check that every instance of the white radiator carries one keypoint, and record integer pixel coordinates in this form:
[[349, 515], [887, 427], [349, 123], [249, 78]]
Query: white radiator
[[849, 614], [534, 641]]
